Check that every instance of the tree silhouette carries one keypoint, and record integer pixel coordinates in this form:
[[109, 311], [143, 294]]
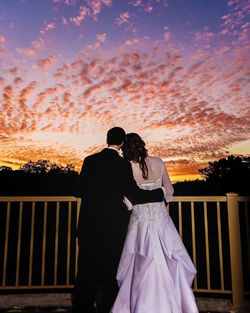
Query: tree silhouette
[[229, 174], [44, 177], [46, 167], [4, 168], [38, 178], [233, 166]]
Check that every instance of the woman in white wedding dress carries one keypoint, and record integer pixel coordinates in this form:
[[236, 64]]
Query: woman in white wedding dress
[[155, 272]]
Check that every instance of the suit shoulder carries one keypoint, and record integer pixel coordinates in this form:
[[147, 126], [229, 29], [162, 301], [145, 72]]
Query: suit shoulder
[[127, 166], [122, 160], [92, 156]]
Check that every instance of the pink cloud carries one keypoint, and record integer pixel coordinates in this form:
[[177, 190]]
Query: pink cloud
[[2, 40], [244, 35], [91, 90], [97, 4], [96, 45], [176, 59], [64, 20], [166, 35], [94, 64], [50, 26], [47, 27], [149, 9], [38, 44], [46, 63], [13, 70], [101, 37], [83, 13], [236, 20], [66, 97], [42, 96], [91, 8], [136, 3], [77, 64], [60, 72], [18, 81], [204, 35], [132, 42], [107, 2], [25, 93], [85, 79], [8, 95], [123, 18], [222, 51], [31, 51], [66, 2]]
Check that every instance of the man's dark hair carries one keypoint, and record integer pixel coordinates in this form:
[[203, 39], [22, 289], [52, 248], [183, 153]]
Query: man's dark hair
[[115, 136]]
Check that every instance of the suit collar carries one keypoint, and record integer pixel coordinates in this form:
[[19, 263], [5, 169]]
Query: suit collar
[[111, 151]]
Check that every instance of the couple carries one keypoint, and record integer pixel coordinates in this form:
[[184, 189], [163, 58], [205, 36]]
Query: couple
[[152, 268]]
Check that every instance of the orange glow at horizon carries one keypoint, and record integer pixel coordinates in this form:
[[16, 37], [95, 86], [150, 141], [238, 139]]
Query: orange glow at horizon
[[180, 169]]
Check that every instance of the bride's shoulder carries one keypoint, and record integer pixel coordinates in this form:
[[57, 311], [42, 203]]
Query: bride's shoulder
[[154, 159], [155, 162]]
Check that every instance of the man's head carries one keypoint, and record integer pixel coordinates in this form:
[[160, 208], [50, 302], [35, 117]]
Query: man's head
[[116, 136]]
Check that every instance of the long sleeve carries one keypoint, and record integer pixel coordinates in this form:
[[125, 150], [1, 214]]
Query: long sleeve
[[169, 190]]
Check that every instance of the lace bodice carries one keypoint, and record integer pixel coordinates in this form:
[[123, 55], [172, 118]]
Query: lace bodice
[[150, 212]]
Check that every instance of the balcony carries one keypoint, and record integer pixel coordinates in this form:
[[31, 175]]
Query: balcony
[[39, 249]]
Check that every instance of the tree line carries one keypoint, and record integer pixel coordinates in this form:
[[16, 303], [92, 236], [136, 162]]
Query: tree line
[[45, 178]]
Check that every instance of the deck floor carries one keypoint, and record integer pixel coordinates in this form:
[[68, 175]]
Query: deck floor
[[61, 303]]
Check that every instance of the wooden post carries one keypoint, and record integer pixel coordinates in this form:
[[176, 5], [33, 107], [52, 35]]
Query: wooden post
[[235, 250]]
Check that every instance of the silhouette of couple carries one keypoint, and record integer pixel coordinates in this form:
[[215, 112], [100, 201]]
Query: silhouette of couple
[[142, 267]]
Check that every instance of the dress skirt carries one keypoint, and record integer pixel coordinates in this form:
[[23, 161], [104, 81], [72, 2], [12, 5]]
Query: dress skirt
[[155, 272]]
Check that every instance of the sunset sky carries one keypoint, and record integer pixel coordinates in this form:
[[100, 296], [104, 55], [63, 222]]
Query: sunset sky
[[175, 71]]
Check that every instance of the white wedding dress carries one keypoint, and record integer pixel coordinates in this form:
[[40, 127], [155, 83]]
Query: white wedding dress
[[155, 272]]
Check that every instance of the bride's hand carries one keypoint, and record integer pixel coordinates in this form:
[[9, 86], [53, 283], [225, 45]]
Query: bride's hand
[[127, 203]]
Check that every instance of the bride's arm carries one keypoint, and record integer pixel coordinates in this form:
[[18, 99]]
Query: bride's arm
[[128, 204], [166, 182]]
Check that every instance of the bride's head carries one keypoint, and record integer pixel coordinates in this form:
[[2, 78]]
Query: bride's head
[[134, 150]]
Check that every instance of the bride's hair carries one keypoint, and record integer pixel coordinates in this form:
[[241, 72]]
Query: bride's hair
[[134, 150]]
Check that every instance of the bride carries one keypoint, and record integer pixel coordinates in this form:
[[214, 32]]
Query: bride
[[155, 272]]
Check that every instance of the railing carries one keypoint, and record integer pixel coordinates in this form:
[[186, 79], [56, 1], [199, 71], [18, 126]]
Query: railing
[[34, 228], [39, 250], [221, 239]]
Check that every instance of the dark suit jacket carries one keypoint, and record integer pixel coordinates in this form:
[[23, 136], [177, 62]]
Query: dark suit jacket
[[105, 179]]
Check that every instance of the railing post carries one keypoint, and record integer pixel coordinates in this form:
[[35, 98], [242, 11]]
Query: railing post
[[235, 250]]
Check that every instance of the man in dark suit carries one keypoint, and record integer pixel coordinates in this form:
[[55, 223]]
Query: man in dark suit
[[105, 179]]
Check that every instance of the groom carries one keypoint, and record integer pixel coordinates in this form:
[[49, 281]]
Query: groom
[[105, 179]]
